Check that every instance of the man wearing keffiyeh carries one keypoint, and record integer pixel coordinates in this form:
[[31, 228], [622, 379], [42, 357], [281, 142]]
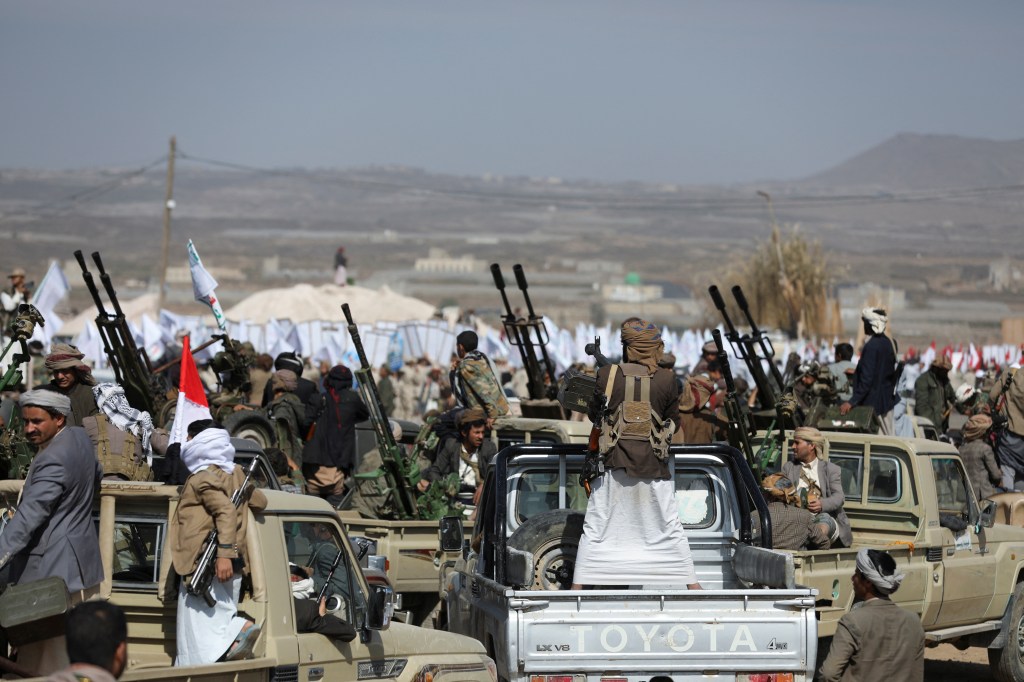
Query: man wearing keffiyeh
[[823, 481], [876, 640], [875, 380]]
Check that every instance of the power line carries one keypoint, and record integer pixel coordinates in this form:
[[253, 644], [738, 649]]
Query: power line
[[82, 196]]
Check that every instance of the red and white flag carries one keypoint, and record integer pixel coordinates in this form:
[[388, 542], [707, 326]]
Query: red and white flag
[[192, 405]]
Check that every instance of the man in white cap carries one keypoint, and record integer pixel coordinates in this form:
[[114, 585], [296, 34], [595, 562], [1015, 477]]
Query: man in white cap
[[876, 640], [875, 380], [52, 533], [11, 297]]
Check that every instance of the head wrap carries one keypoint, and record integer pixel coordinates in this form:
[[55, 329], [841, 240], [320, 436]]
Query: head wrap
[[977, 426], [288, 360], [209, 447], [695, 394], [885, 584], [964, 393], [643, 340], [48, 400], [709, 347], [668, 361], [470, 415], [338, 378], [942, 362], [284, 379], [812, 436], [875, 317], [66, 356]]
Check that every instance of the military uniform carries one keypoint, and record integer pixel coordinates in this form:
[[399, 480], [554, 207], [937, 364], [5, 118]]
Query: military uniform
[[475, 385], [932, 395]]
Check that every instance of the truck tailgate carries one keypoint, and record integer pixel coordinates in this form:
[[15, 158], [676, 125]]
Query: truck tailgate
[[636, 631]]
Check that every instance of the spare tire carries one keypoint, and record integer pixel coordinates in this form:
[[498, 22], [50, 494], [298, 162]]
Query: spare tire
[[553, 538], [252, 425]]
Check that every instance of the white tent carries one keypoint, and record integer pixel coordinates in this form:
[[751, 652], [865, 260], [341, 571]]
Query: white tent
[[305, 302]]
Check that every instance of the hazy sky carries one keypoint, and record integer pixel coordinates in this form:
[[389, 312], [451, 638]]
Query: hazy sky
[[670, 90]]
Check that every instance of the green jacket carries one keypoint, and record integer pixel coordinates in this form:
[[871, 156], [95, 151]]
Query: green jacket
[[932, 396]]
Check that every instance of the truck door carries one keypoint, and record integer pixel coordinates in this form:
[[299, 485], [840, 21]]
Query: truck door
[[968, 573], [312, 544]]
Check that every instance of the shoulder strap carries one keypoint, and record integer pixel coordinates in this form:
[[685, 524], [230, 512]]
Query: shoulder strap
[[610, 386]]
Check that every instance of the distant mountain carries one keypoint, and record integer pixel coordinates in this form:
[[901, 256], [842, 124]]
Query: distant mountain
[[914, 162]]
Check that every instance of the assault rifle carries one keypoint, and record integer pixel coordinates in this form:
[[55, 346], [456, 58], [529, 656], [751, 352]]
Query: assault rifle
[[131, 365], [530, 335], [15, 452], [400, 475], [201, 583]]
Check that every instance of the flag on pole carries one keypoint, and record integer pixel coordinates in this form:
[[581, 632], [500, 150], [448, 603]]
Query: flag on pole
[[192, 405], [203, 285], [51, 290]]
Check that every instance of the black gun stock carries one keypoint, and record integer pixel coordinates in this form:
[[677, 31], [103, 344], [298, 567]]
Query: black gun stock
[[393, 460]]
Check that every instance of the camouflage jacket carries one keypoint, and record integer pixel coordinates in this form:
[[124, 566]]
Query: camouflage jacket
[[475, 385]]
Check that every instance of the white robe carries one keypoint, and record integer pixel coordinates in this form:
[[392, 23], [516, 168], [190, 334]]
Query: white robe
[[206, 632], [632, 534]]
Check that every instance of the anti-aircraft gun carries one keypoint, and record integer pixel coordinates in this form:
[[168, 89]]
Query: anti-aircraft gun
[[393, 484], [530, 336], [15, 452], [132, 368]]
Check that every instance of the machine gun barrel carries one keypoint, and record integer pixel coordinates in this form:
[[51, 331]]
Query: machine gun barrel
[[395, 468], [738, 430], [107, 284], [90, 283], [510, 321], [546, 388], [518, 332], [758, 336], [743, 346], [202, 579]]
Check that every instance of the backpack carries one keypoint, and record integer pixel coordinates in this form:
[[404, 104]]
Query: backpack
[[635, 419]]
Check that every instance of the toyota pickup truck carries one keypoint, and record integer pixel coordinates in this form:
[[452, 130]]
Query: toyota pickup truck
[[964, 573], [411, 546], [510, 585], [133, 519]]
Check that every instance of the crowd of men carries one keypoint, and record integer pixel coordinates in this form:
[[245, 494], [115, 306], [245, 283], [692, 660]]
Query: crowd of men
[[321, 407]]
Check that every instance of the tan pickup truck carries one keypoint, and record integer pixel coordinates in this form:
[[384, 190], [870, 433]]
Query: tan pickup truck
[[412, 547], [133, 521], [964, 573]]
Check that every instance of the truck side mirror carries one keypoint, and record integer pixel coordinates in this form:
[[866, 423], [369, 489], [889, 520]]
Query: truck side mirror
[[518, 567], [988, 514], [451, 534], [380, 608]]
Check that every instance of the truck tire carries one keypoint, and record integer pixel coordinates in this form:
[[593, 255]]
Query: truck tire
[[1008, 663], [552, 537], [251, 425]]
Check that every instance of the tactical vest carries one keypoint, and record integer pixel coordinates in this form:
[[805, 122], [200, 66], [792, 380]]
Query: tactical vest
[[119, 452], [635, 419]]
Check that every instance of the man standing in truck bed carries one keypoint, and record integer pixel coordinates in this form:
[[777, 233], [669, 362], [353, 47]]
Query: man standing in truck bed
[[632, 532]]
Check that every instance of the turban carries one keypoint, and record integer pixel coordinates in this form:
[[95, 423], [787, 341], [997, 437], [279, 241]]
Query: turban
[[876, 318], [471, 415], [211, 446], [977, 426], [695, 394], [288, 360], [885, 584], [709, 347], [65, 356], [48, 400], [811, 435], [284, 380], [942, 362], [644, 343]]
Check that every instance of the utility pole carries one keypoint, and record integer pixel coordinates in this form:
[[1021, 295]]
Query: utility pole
[[168, 207]]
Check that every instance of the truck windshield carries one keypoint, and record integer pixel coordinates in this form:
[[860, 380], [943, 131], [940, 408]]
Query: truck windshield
[[313, 545]]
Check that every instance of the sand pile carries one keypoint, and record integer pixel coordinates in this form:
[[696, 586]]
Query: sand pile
[[133, 309], [304, 302]]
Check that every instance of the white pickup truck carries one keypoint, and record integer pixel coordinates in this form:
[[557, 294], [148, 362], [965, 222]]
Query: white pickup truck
[[510, 587]]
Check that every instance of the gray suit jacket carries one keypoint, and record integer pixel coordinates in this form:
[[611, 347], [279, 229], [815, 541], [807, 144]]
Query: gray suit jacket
[[52, 533], [832, 497]]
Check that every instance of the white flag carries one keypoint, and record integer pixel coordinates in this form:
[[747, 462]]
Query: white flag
[[51, 290], [204, 285]]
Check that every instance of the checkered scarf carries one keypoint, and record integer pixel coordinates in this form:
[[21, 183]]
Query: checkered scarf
[[111, 400]]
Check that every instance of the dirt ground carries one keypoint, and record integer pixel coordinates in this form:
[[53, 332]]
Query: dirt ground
[[945, 663]]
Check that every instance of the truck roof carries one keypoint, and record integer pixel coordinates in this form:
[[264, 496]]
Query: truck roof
[[915, 446], [277, 501]]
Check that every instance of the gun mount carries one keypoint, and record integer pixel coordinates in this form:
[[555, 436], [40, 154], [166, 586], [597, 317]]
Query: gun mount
[[15, 451], [530, 336]]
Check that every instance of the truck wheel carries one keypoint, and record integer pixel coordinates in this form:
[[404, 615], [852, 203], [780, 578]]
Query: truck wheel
[[1008, 663], [552, 537], [251, 425]]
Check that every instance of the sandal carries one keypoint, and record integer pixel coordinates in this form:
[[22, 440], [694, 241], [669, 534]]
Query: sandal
[[242, 648]]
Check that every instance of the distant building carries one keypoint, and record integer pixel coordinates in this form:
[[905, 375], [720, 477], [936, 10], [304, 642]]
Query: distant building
[[438, 260]]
